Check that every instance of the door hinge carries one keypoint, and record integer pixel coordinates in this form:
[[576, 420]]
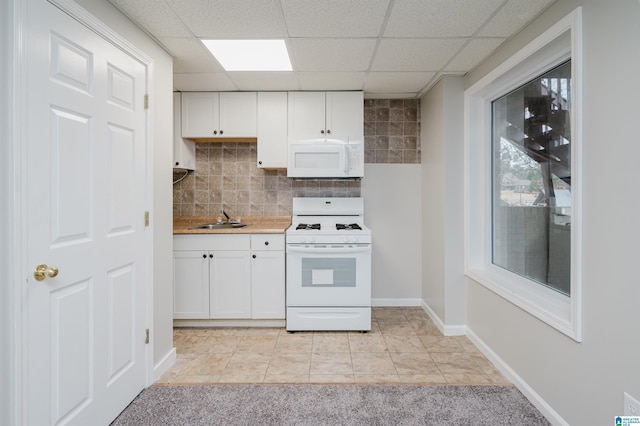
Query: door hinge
[[146, 101], [146, 340], [146, 218]]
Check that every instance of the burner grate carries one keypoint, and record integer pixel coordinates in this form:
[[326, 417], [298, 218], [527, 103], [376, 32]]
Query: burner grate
[[308, 226], [349, 227]]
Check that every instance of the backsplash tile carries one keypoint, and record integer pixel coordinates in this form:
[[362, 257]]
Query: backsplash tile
[[226, 175], [392, 131]]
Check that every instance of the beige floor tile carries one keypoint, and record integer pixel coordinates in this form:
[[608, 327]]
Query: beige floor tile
[[404, 344], [294, 343], [414, 363], [257, 344], [334, 342], [331, 378], [372, 363], [289, 364], [221, 344], [468, 379], [456, 363], [331, 363], [245, 364], [367, 342], [206, 365], [396, 328], [441, 344]]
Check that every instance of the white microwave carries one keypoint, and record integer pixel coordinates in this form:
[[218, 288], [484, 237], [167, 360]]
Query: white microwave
[[326, 159]]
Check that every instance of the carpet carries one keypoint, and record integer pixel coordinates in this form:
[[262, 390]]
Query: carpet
[[330, 405]]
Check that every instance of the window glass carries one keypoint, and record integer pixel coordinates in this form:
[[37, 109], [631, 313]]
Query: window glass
[[531, 179]]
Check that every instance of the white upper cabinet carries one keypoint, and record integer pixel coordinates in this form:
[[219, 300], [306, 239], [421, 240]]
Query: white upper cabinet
[[184, 151], [326, 115], [272, 130], [219, 115]]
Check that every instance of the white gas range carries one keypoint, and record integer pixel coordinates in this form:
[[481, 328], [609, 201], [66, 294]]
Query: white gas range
[[328, 265]]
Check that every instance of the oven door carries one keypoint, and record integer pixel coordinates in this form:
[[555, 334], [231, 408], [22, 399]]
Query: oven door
[[328, 275]]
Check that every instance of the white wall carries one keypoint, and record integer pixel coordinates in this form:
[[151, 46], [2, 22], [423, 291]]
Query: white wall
[[443, 282], [392, 197], [161, 106], [584, 382]]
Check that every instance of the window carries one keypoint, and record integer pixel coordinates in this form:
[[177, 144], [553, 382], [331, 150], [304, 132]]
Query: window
[[523, 180], [531, 176]]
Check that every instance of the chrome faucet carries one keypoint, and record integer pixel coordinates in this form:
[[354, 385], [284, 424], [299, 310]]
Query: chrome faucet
[[226, 215]]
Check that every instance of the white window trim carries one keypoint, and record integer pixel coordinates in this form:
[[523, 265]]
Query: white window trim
[[548, 50]]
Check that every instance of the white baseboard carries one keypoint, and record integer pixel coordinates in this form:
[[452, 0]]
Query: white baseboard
[[164, 365], [542, 406], [381, 302], [447, 330]]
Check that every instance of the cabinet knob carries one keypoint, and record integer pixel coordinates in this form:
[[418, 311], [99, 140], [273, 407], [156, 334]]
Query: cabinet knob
[[221, 132], [215, 132], [322, 132], [177, 163], [328, 132], [204, 256], [254, 256], [211, 255], [266, 243], [260, 162]]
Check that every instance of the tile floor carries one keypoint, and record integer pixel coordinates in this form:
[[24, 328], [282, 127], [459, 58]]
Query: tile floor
[[404, 346]]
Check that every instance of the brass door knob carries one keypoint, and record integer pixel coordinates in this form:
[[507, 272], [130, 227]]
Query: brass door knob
[[43, 271]]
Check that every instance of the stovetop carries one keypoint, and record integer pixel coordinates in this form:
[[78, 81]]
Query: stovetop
[[328, 220]]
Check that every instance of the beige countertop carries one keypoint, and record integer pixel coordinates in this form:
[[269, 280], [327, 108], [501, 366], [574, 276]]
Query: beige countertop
[[255, 225]]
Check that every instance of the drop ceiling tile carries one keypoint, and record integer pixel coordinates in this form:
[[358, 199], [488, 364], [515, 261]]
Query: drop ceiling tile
[[334, 18], [190, 55], [415, 54], [409, 83], [331, 80], [224, 19], [332, 54], [214, 82], [154, 16], [513, 16], [264, 81], [472, 54], [439, 18]]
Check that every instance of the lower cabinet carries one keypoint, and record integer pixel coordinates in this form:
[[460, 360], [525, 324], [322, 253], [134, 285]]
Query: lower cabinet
[[229, 276]]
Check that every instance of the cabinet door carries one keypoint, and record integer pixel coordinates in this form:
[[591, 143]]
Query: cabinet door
[[272, 130], [238, 112], [306, 116], [230, 279], [184, 151], [267, 285], [190, 285], [345, 115], [200, 114]]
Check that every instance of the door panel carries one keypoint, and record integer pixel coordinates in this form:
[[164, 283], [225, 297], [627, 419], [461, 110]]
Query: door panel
[[86, 168]]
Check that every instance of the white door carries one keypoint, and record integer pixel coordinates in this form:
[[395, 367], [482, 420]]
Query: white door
[[85, 131]]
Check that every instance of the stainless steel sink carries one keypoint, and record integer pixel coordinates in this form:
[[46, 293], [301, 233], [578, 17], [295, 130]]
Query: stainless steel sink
[[223, 225]]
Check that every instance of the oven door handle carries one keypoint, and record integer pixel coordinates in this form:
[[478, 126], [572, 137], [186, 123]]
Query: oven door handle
[[329, 249]]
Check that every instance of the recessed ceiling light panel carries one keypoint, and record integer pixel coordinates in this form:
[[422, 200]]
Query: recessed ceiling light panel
[[250, 55]]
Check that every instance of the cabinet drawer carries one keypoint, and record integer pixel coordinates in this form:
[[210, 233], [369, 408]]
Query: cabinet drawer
[[267, 242], [211, 242]]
